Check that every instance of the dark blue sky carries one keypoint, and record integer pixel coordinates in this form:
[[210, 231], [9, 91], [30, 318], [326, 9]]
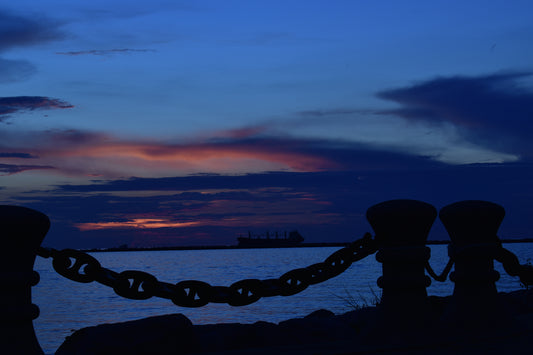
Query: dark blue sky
[[169, 122]]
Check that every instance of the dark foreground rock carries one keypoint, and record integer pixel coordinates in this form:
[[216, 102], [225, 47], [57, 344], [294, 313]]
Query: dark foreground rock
[[367, 330]]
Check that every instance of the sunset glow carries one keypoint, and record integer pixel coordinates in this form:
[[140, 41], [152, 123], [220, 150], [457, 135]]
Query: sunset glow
[[170, 122], [138, 223]]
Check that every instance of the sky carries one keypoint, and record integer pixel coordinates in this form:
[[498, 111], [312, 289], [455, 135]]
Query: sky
[[159, 123]]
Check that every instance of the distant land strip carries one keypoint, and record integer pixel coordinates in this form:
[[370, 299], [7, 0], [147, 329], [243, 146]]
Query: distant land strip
[[302, 245]]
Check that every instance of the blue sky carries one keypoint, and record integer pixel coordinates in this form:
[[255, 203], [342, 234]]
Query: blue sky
[[104, 102]]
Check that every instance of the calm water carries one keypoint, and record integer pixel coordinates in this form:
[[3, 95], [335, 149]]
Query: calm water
[[67, 305]]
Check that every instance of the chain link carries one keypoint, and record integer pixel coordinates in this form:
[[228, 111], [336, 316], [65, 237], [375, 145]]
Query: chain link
[[82, 267], [444, 274], [246, 292], [136, 285], [191, 293], [75, 265], [512, 266], [509, 261]]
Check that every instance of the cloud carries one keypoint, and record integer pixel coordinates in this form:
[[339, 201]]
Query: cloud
[[10, 169], [232, 205], [15, 70], [136, 223], [106, 51], [329, 112], [323, 206], [21, 31], [10, 105], [493, 110], [80, 153], [16, 31], [17, 155]]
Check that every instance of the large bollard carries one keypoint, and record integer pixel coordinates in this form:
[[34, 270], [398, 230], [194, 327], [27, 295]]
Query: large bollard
[[473, 227], [23, 230], [402, 228]]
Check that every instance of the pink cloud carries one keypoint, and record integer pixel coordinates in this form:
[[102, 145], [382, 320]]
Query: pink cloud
[[136, 223], [94, 154]]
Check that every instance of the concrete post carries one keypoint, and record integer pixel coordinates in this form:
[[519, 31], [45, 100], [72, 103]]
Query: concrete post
[[23, 230]]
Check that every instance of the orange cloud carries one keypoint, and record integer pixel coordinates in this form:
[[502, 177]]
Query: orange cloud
[[137, 223], [89, 154], [200, 155], [296, 210]]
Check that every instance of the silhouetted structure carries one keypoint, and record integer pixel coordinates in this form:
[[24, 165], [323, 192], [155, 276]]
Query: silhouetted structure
[[23, 230], [401, 319], [276, 241], [473, 228], [402, 228]]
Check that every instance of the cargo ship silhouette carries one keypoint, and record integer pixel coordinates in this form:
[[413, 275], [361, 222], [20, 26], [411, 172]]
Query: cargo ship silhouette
[[271, 240]]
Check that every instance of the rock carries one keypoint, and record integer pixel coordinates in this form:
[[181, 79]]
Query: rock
[[321, 332], [321, 313], [154, 335], [230, 336], [319, 326]]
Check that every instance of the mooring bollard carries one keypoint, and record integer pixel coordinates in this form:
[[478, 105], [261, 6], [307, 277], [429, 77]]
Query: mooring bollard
[[23, 230], [473, 227], [402, 228]]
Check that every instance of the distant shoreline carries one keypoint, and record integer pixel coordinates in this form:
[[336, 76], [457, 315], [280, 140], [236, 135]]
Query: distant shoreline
[[302, 245]]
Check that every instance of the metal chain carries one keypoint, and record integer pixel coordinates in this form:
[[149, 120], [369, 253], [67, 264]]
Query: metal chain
[[444, 274], [509, 261], [512, 266], [82, 267]]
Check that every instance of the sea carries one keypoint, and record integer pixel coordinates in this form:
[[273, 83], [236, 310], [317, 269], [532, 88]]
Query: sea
[[66, 306]]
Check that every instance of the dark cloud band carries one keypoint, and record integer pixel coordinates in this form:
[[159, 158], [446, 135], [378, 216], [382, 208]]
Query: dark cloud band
[[10, 169], [17, 155], [492, 110], [10, 105], [16, 31], [106, 51]]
